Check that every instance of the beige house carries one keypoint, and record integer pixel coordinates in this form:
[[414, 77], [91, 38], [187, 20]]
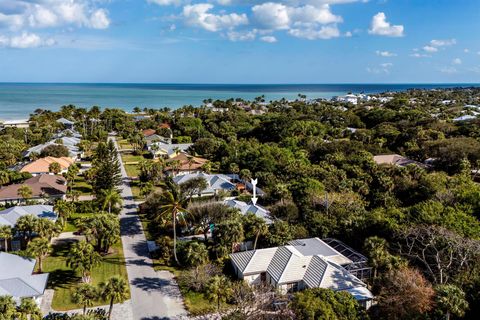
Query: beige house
[[42, 166]]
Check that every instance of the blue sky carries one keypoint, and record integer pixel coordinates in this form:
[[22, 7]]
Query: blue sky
[[240, 41]]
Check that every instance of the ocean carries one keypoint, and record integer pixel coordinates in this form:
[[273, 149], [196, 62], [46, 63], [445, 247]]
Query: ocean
[[18, 100]]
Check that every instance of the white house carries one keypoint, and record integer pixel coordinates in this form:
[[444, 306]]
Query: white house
[[302, 264], [71, 143], [21, 123], [216, 182], [245, 208], [17, 280], [165, 150]]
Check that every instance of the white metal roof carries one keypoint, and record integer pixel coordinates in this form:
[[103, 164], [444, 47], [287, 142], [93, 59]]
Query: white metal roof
[[10, 216]]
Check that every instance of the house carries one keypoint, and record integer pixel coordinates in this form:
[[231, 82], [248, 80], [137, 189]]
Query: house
[[44, 188], [66, 123], [467, 117], [41, 166], [245, 208], [148, 132], [396, 160], [157, 138], [216, 182], [17, 279], [165, 150], [10, 216], [186, 164], [299, 265], [71, 143], [21, 123]]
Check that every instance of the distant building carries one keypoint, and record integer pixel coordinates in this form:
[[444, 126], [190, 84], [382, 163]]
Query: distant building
[[66, 123], [216, 182], [44, 188], [467, 117], [396, 160], [17, 279], [41, 166], [148, 132], [21, 123], [245, 208], [302, 264], [186, 164], [71, 143], [165, 150]]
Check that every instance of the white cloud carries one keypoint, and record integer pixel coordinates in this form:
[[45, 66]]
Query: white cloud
[[383, 68], [381, 27], [325, 32], [166, 2], [99, 19], [272, 15], [419, 55], [430, 49], [54, 13], [385, 53], [457, 61], [242, 36], [443, 43], [198, 15], [24, 41], [448, 70], [269, 39]]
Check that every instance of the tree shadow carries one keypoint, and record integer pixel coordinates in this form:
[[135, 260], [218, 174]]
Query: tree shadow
[[62, 279], [130, 226], [151, 284]]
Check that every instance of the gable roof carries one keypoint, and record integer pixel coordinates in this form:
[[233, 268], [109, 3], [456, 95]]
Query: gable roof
[[215, 181], [49, 185], [148, 132], [65, 121], [185, 165], [16, 277], [10, 216], [245, 208], [71, 143], [42, 165], [301, 260], [168, 149]]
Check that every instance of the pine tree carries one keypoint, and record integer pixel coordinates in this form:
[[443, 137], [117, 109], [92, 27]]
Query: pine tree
[[107, 168]]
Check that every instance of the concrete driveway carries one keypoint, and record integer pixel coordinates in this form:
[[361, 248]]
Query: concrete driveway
[[155, 295]]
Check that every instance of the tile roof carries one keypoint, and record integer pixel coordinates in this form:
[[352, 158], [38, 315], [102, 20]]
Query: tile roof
[[10, 216], [16, 277], [184, 158], [42, 165], [49, 185]]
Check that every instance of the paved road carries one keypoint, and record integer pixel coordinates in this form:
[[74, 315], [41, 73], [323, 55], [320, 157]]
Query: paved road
[[155, 295]]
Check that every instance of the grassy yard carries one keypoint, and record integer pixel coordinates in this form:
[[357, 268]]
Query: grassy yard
[[129, 157], [124, 144], [64, 280], [132, 170], [82, 186]]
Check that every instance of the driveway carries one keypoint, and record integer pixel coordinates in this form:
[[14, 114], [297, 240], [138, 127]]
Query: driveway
[[155, 295]]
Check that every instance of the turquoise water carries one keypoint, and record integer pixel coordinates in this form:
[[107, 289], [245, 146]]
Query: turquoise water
[[18, 100]]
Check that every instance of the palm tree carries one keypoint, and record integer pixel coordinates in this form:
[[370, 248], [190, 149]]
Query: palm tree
[[64, 209], [8, 307], [25, 192], [172, 205], [4, 177], [111, 198], [115, 290], [46, 228], [218, 290], [85, 295], [39, 248], [196, 254], [26, 225], [6, 234], [54, 168], [83, 258], [376, 250], [259, 228], [28, 309]]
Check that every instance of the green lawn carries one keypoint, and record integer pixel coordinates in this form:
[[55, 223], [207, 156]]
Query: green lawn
[[64, 280], [132, 170], [129, 157], [124, 144], [70, 225], [82, 186]]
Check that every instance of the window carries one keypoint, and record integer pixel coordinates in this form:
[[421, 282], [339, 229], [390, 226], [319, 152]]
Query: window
[[292, 287]]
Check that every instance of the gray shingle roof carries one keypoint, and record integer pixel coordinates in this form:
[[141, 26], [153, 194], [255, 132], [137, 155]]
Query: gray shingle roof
[[244, 208]]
